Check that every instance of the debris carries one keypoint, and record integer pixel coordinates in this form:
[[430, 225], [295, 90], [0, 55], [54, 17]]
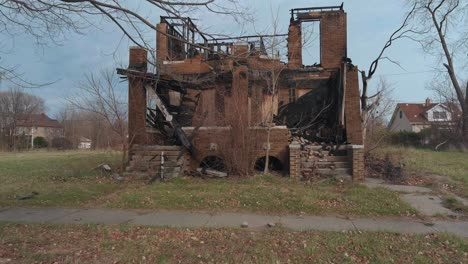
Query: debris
[[244, 224], [117, 177], [27, 196], [271, 224], [104, 167], [212, 173], [385, 169]]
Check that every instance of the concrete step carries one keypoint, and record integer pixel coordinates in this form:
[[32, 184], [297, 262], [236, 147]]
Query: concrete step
[[158, 162], [145, 167], [146, 158], [327, 164], [339, 171], [155, 148], [328, 159], [156, 152]]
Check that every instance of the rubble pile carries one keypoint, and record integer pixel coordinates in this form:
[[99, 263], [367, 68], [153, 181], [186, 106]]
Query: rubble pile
[[314, 157]]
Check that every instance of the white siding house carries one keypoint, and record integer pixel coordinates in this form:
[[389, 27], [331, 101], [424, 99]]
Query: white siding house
[[415, 117]]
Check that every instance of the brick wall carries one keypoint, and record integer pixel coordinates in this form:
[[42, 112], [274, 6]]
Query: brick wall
[[162, 52], [333, 38], [357, 155], [295, 160], [353, 107], [137, 98], [295, 46], [217, 141]]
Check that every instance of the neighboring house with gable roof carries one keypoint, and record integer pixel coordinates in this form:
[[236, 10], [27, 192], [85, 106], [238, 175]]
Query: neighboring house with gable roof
[[85, 143], [415, 117], [38, 125]]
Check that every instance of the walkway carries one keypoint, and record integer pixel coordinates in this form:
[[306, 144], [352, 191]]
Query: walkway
[[229, 220]]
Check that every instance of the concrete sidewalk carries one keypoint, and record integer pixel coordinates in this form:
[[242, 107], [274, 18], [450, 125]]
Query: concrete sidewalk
[[230, 220]]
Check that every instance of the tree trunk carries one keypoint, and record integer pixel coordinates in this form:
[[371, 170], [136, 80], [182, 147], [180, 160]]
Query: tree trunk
[[364, 118], [267, 152], [364, 105], [465, 119]]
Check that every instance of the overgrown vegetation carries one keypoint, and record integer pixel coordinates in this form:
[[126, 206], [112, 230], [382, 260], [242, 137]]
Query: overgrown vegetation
[[68, 179], [425, 163], [40, 142], [124, 244]]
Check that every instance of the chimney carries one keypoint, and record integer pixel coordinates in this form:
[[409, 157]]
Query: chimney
[[428, 102]]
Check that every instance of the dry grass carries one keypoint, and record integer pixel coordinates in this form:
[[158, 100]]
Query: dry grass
[[67, 179], [124, 244], [424, 162]]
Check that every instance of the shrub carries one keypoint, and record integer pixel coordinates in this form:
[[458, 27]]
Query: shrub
[[61, 143], [40, 142], [406, 138]]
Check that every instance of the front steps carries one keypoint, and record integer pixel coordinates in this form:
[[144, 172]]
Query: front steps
[[318, 159], [145, 161]]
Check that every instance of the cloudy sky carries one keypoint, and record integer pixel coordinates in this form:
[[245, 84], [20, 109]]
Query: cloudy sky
[[102, 47]]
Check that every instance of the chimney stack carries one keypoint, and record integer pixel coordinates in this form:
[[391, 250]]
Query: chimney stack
[[428, 102]]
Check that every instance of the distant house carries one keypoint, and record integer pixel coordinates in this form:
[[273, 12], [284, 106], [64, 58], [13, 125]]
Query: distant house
[[416, 117], [38, 125], [85, 143]]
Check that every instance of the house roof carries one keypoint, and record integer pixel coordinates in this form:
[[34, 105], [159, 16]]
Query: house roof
[[84, 140], [416, 112], [37, 120]]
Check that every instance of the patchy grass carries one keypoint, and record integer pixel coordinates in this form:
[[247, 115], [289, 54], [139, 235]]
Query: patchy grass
[[266, 194], [61, 178], [67, 179], [455, 205], [452, 164], [125, 244]]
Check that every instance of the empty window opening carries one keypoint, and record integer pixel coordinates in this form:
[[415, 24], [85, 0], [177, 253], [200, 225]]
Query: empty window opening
[[311, 43], [292, 95], [274, 164]]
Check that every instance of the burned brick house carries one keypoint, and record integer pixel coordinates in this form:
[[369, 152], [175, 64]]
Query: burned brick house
[[232, 101]]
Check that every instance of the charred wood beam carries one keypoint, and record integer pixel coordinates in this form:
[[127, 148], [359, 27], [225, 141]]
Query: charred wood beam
[[165, 81], [179, 133]]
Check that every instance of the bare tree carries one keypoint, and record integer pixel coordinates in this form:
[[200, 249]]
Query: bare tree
[[16, 104], [439, 23], [48, 21], [272, 77], [367, 104], [375, 124], [442, 86], [99, 95]]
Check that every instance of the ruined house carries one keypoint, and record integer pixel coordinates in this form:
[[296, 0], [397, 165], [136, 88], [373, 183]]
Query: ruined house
[[226, 103]]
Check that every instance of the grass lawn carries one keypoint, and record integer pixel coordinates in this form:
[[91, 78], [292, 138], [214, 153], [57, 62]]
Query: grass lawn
[[265, 194], [66, 179], [452, 164], [124, 244], [62, 178]]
